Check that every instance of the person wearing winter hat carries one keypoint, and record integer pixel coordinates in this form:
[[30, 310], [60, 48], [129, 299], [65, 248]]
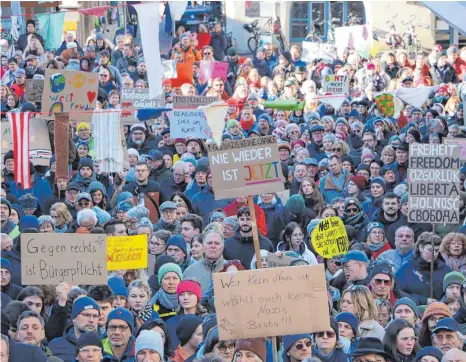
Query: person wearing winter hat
[[405, 308], [200, 181], [120, 329], [165, 301], [98, 193], [428, 354], [327, 348], [348, 325], [9, 288], [85, 174], [85, 315], [168, 219], [376, 240], [7, 226], [452, 283], [189, 335], [244, 347], [265, 127], [377, 189], [120, 292], [446, 335], [149, 347], [233, 129], [89, 348], [178, 249], [29, 222], [296, 347], [9, 169], [434, 312]]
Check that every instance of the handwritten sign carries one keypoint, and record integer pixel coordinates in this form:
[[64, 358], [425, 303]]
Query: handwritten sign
[[40, 150], [127, 252], [274, 261], [189, 123], [325, 51], [245, 167], [434, 183], [133, 99], [220, 70], [192, 102], [336, 84], [70, 91], [271, 302], [52, 259], [461, 142], [34, 90], [329, 238]]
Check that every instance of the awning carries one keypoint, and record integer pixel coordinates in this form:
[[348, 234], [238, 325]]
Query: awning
[[452, 12]]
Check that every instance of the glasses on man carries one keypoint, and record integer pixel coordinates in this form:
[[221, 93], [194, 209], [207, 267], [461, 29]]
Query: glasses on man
[[120, 328], [329, 334], [385, 282], [352, 210], [88, 350]]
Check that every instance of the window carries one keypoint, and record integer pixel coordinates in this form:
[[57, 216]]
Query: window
[[299, 19]]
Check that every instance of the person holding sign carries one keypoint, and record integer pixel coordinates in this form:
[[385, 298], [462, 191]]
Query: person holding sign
[[293, 239]]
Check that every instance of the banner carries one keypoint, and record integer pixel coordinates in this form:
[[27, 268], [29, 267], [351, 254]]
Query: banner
[[184, 74], [461, 142], [245, 167], [385, 104], [40, 150], [211, 70], [133, 99], [192, 102], [415, 96], [127, 252], [51, 26], [215, 114], [336, 84], [169, 69], [329, 238], [52, 258], [34, 90], [70, 91], [271, 302], [334, 101], [274, 261], [357, 37], [324, 51], [189, 123], [434, 183]]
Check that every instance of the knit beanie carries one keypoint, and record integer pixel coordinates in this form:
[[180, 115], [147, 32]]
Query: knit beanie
[[334, 325], [150, 340], [367, 155], [177, 240], [359, 181], [88, 339], [453, 278], [85, 162], [232, 123], [374, 225], [167, 268], [189, 286], [192, 161], [29, 222], [380, 181], [122, 314], [406, 301], [125, 195], [350, 319], [82, 125], [186, 327], [428, 351], [436, 308], [7, 203], [352, 201], [363, 167], [10, 155], [254, 345], [5, 264], [118, 286], [288, 342], [312, 225], [295, 205], [28, 201], [82, 304], [102, 215], [96, 185]]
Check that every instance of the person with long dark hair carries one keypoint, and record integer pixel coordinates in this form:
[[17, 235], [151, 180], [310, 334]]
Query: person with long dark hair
[[292, 238], [400, 341]]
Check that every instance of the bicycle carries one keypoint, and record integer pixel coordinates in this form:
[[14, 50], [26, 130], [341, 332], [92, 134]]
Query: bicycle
[[255, 41], [413, 44], [393, 40]]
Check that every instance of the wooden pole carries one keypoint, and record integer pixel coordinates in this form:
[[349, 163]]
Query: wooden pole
[[432, 265], [255, 235]]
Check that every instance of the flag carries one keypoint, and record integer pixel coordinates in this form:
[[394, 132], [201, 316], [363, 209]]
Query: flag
[[19, 124], [215, 115], [415, 96], [52, 28]]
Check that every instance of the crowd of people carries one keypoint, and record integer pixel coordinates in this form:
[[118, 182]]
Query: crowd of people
[[380, 305]]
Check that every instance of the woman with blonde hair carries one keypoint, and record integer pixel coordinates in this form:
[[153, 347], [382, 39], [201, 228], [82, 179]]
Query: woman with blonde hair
[[388, 155], [138, 300], [340, 148], [453, 251], [358, 300], [254, 78], [453, 102], [62, 216]]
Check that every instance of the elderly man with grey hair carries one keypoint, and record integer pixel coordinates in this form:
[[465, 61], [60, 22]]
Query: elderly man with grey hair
[[177, 182], [211, 262], [87, 219], [404, 248], [6, 242], [454, 355]]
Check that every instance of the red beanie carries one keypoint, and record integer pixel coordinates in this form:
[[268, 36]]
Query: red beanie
[[190, 286]]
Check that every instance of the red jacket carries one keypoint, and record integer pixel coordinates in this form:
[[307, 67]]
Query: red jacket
[[375, 254], [232, 210]]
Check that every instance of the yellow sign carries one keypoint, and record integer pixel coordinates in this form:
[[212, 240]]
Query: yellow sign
[[127, 252], [329, 238]]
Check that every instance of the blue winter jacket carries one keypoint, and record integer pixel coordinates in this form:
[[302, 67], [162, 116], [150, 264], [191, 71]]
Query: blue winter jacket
[[204, 203], [40, 189], [65, 347]]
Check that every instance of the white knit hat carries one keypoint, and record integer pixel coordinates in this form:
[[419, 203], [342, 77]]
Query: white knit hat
[[150, 340]]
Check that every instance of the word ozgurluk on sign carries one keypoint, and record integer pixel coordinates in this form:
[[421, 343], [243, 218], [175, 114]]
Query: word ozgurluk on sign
[[245, 167]]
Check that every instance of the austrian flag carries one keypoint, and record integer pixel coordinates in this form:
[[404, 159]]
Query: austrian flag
[[19, 124]]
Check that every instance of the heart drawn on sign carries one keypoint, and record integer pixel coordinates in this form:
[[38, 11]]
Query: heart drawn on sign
[[91, 96]]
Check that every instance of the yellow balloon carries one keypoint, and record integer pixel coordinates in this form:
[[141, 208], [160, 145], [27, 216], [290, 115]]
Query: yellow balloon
[[78, 80], [374, 50]]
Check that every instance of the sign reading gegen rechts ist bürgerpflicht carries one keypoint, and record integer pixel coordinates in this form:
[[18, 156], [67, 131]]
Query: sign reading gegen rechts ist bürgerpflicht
[[434, 183]]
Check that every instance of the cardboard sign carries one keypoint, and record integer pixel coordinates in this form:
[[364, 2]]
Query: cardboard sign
[[324, 51], [245, 167], [357, 37], [336, 84], [133, 99], [274, 261], [192, 102], [127, 252], [34, 90], [329, 238], [220, 69], [40, 150], [189, 123], [461, 142], [54, 258], [271, 302], [70, 91], [434, 183]]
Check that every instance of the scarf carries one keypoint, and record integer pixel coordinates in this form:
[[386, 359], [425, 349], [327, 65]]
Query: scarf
[[167, 300], [59, 230], [355, 220], [376, 247], [247, 125], [146, 313], [457, 264]]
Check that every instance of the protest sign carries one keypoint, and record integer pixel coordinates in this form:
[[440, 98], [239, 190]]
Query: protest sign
[[357, 37], [220, 70], [205, 70], [245, 167], [274, 261], [133, 99], [336, 84], [169, 69], [188, 123], [271, 302], [324, 51], [434, 183], [461, 142], [70, 91], [385, 104], [52, 259], [184, 74], [40, 150], [329, 238], [215, 114], [34, 90], [192, 102], [127, 252]]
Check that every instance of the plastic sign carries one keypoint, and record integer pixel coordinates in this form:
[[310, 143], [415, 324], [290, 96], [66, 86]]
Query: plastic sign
[[329, 238]]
